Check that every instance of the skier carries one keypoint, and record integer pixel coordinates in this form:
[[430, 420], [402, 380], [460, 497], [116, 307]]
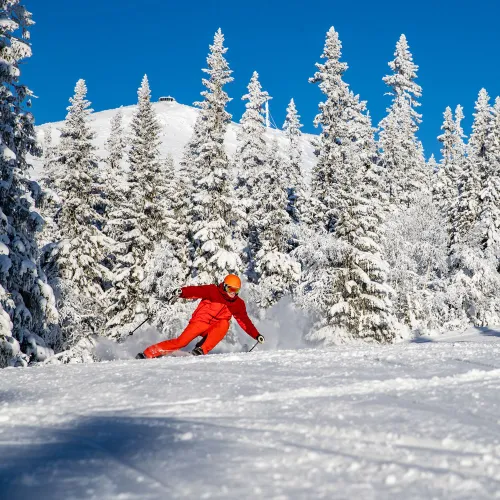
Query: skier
[[210, 319]]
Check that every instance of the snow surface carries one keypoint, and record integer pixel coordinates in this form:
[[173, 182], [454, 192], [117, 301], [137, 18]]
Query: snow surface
[[177, 122], [413, 420]]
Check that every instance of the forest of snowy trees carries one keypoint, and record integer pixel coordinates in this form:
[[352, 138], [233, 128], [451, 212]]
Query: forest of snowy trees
[[381, 244]]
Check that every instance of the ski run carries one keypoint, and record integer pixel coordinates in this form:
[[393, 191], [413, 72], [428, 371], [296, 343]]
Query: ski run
[[413, 420]]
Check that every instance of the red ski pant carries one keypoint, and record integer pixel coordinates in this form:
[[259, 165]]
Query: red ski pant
[[212, 334]]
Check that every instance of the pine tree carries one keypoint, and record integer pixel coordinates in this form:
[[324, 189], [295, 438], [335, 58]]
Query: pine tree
[[329, 173], [432, 165], [170, 224], [466, 208], [75, 262], [474, 253], [187, 163], [277, 272], [363, 305], [294, 177], [214, 250], [134, 223], [401, 152], [48, 148], [116, 143], [165, 272], [114, 176], [416, 240], [451, 165], [49, 201], [487, 150], [251, 152], [251, 156], [354, 301], [27, 305], [460, 147]]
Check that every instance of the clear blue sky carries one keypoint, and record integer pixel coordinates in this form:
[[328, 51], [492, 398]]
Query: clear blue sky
[[112, 43]]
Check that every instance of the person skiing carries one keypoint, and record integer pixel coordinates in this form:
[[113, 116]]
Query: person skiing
[[210, 320]]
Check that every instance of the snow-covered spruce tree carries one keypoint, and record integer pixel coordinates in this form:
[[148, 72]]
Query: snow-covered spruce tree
[[453, 157], [363, 306], [114, 176], [251, 156], [293, 172], [277, 272], [116, 143], [475, 280], [460, 146], [165, 272], [48, 148], [323, 207], [214, 250], [49, 201], [401, 152], [74, 264], [416, 249], [27, 305], [432, 165], [466, 209], [186, 175], [49, 173], [487, 152], [134, 223], [446, 189], [357, 303], [167, 216], [173, 227]]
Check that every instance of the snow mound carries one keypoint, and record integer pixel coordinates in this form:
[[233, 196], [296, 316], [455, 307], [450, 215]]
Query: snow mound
[[177, 121]]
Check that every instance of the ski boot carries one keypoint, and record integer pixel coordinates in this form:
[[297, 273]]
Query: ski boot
[[141, 355]]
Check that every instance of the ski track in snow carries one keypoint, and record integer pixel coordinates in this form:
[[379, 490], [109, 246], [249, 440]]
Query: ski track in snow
[[414, 420]]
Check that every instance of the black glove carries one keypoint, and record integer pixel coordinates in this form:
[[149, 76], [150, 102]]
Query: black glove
[[197, 351], [174, 296], [260, 339]]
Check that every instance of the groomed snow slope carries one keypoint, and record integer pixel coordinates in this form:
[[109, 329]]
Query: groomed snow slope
[[418, 420], [177, 121]]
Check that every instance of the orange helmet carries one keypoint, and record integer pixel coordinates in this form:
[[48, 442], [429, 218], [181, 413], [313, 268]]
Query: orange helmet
[[232, 283]]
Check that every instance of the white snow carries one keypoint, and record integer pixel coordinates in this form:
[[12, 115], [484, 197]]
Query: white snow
[[177, 121], [413, 420]]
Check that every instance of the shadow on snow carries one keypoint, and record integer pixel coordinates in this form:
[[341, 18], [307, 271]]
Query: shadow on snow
[[107, 456]]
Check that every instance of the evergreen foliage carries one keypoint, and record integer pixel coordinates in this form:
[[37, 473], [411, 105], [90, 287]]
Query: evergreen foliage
[[401, 152], [276, 270], [27, 305], [251, 158], [329, 174], [215, 252], [294, 179], [358, 303], [74, 262], [475, 250], [134, 223]]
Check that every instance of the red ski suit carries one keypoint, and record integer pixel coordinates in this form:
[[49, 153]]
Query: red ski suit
[[210, 320]]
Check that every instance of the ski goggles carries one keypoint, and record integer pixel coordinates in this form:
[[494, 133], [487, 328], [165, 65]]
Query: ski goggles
[[231, 289]]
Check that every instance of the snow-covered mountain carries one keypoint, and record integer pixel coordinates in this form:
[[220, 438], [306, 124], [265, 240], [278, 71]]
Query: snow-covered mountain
[[407, 421], [177, 122]]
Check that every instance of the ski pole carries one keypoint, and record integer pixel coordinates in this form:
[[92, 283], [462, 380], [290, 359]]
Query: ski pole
[[132, 332], [254, 346]]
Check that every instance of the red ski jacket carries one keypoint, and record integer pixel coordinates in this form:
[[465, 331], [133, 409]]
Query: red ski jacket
[[217, 305]]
